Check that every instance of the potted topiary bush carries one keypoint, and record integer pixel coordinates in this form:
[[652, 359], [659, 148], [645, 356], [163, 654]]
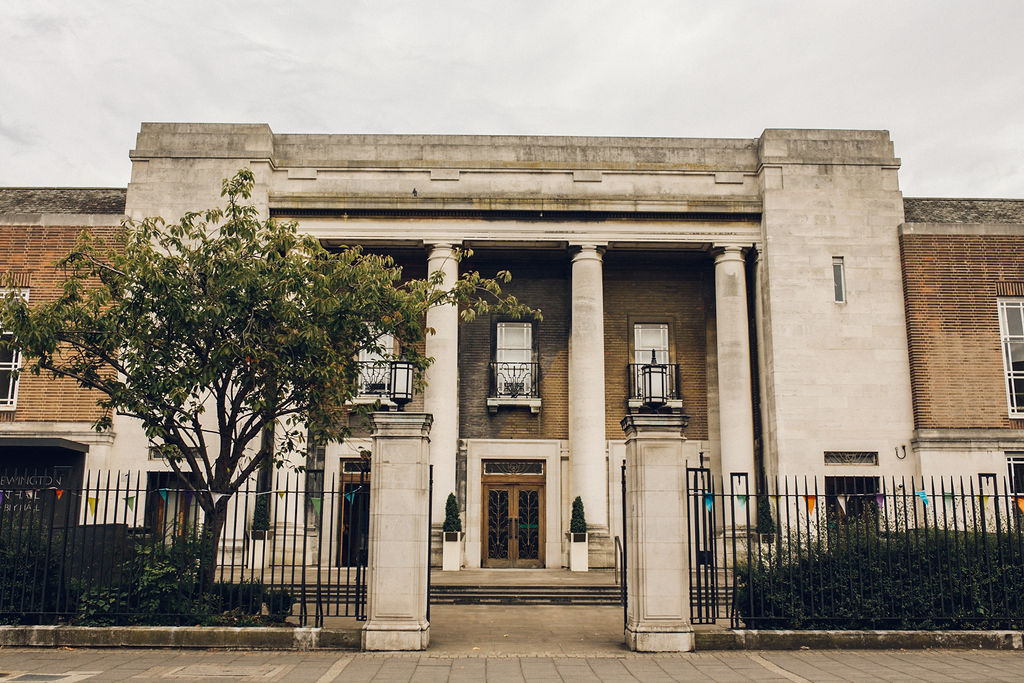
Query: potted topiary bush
[[451, 532], [579, 548]]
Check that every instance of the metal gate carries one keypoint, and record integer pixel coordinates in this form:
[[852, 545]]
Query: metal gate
[[622, 553], [704, 588]]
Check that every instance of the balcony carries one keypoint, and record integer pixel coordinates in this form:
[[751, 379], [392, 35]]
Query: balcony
[[514, 384], [671, 391], [374, 383]]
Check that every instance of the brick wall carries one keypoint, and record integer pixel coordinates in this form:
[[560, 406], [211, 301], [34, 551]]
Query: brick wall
[[540, 281], [653, 288], [29, 252], [951, 284]]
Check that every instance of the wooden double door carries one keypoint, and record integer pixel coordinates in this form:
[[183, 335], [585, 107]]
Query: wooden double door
[[513, 524]]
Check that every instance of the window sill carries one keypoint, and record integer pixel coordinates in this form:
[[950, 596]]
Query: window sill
[[385, 402], [532, 403], [673, 404]]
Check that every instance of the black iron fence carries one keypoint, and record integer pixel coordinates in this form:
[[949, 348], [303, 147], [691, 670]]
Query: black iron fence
[[129, 548], [856, 552]]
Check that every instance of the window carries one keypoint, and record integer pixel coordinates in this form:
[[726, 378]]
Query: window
[[315, 457], [1015, 472], [1011, 332], [10, 363], [514, 369], [839, 279], [651, 344], [375, 368]]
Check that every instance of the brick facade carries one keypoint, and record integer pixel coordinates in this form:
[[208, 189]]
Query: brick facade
[[653, 288], [951, 286], [29, 252]]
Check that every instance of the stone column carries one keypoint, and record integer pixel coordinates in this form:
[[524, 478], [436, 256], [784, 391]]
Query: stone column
[[657, 545], [441, 395], [736, 416], [587, 442], [397, 566]]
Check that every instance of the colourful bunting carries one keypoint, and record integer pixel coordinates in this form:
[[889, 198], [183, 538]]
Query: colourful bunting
[[130, 500], [350, 495], [841, 499], [742, 498], [92, 505], [60, 492], [880, 499], [709, 500], [316, 504], [163, 494], [1020, 504], [811, 502], [984, 500], [280, 494], [923, 495]]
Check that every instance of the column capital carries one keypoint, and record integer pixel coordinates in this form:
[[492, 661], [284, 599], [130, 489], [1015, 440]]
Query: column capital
[[448, 247], [728, 252], [587, 252]]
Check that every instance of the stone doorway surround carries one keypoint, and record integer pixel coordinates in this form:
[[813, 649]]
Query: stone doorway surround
[[549, 450]]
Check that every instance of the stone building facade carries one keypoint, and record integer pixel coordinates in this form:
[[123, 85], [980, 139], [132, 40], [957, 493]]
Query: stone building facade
[[813, 320]]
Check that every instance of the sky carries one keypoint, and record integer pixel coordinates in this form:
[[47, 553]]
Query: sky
[[945, 78]]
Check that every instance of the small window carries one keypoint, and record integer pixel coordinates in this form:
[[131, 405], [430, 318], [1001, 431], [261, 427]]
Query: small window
[[10, 363], [1015, 472], [839, 279], [315, 457], [1011, 332], [514, 369], [650, 340]]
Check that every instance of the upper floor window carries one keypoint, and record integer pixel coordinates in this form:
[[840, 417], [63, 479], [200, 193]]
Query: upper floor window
[[515, 373], [10, 363], [1011, 332], [651, 346], [375, 367], [839, 279]]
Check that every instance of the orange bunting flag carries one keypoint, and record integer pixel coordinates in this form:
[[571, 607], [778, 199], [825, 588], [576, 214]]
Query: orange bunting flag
[[1020, 504], [811, 502], [60, 492]]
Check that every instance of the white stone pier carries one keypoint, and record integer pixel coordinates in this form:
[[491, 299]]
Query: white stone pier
[[657, 546], [396, 571]]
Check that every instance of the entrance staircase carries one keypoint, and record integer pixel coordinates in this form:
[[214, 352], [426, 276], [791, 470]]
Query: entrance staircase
[[524, 587]]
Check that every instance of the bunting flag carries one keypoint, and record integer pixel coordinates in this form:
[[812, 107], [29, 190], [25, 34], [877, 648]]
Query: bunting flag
[[880, 499], [811, 502], [984, 500], [923, 495], [60, 492], [316, 504], [841, 499], [280, 494], [92, 505], [350, 495], [130, 500], [163, 494], [948, 497], [776, 498], [709, 500], [1020, 504], [742, 498]]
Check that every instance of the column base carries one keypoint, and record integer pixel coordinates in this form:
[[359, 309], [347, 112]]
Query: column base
[[661, 638], [601, 547], [390, 635]]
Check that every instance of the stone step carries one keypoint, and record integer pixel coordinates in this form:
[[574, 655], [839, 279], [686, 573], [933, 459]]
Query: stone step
[[525, 594]]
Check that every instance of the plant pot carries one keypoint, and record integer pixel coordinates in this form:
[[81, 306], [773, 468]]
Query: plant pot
[[451, 551], [579, 553]]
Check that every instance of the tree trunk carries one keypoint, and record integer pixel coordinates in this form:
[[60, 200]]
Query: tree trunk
[[209, 546]]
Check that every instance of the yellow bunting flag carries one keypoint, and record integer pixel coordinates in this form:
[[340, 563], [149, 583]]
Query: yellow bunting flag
[[984, 500], [92, 505], [811, 502], [280, 494]]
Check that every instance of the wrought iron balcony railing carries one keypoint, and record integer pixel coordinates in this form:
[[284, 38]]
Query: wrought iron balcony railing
[[515, 380], [672, 376], [374, 378]]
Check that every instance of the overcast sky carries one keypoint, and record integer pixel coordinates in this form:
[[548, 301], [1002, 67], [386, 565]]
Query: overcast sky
[[945, 78]]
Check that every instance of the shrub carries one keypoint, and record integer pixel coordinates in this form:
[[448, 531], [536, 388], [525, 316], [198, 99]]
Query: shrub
[[279, 603], [30, 573], [578, 522], [261, 513], [765, 524], [241, 598], [854, 576], [451, 515]]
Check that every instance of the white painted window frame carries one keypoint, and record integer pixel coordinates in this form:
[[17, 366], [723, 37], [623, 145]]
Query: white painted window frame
[[1010, 376], [11, 402], [839, 280]]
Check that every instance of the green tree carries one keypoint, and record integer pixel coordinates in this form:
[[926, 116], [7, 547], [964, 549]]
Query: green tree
[[213, 330]]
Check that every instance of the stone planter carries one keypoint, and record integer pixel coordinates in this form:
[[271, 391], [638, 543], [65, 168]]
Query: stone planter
[[258, 547], [579, 550], [451, 551]]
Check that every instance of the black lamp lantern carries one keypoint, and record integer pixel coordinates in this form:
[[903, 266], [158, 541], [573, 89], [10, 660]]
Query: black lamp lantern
[[654, 383], [401, 382]]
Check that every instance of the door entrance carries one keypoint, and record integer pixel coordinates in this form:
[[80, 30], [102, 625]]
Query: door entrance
[[513, 519]]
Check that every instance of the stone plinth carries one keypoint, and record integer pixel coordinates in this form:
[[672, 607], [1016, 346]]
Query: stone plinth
[[657, 572], [396, 571]]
